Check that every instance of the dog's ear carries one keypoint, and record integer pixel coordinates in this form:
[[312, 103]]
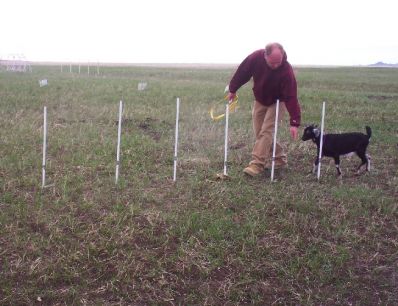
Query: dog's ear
[[317, 132]]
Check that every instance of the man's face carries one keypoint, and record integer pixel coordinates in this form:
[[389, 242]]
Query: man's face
[[274, 60]]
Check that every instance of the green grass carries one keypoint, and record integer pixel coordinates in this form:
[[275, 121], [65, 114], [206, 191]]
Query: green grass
[[83, 240]]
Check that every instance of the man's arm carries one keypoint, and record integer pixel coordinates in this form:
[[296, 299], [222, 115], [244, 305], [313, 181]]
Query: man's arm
[[242, 75], [289, 96]]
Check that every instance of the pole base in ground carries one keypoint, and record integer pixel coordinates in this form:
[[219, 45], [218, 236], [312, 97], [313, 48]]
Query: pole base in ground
[[48, 186], [222, 177]]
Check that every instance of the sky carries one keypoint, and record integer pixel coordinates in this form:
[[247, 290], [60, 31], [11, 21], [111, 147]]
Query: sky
[[313, 32]]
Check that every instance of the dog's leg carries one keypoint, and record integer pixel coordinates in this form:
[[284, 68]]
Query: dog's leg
[[368, 163], [315, 165], [365, 161], [337, 164], [314, 168]]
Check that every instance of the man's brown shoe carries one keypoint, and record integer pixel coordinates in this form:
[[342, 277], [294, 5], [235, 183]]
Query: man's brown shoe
[[253, 169]]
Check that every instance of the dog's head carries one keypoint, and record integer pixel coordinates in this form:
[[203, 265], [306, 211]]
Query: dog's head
[[311, 132]]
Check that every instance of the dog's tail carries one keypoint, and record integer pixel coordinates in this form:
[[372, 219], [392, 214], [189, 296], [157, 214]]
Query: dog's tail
[[368, 131]]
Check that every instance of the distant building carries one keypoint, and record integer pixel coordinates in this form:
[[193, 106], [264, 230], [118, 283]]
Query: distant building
[[16, 63]]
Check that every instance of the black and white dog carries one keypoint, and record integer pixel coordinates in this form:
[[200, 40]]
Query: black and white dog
[[335, 145]]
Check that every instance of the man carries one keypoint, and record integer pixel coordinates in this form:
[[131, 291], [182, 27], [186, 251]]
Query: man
[[273, 79]]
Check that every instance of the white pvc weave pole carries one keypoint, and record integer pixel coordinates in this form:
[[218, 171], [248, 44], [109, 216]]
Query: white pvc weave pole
[[274, 146], [226, 137], [43, 165], [321, 140], [119, 132], [176, 141]]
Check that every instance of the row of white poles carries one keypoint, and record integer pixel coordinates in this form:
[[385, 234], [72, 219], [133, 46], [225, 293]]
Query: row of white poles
[[276, 131], [226, 139], [176, 142], [119, 134], [88, 68]]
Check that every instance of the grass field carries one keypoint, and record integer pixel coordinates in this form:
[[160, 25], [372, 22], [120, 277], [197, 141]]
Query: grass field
[[199, 241]]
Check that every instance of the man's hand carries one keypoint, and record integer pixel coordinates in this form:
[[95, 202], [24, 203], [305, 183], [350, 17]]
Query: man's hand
[[231, 96], [294, 132]]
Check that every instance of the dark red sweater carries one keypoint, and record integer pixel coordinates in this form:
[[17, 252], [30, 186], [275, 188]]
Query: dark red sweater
[[269, 85]]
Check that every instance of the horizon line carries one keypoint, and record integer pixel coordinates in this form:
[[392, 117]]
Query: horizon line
[[182, 64]]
